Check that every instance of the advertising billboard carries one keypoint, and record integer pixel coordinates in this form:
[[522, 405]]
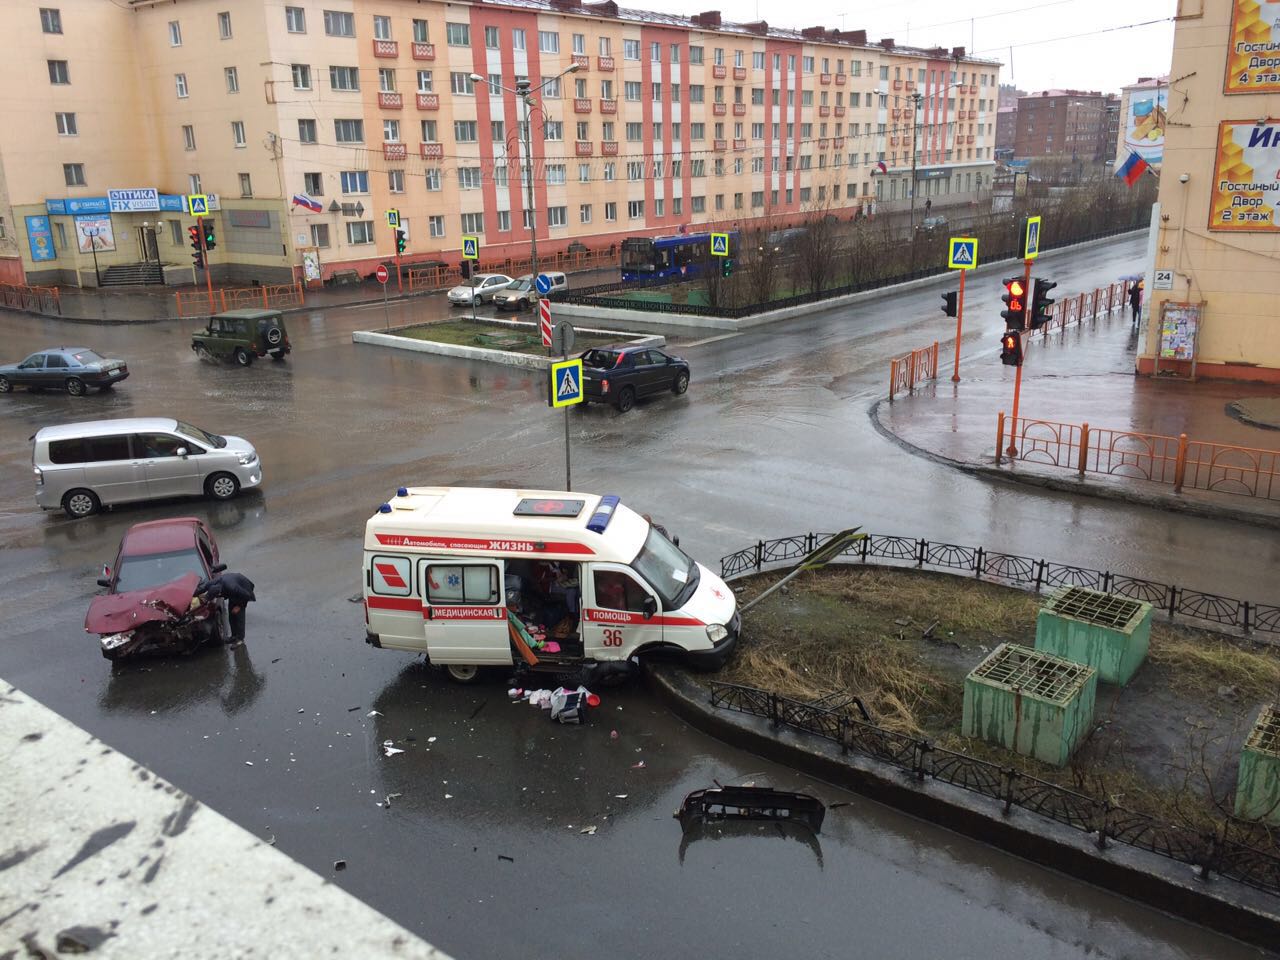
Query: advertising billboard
[[1246, 177], [1253, 55], [1144, 122], [94, 233]]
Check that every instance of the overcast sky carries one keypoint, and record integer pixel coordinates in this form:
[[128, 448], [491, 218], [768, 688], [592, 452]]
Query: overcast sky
[[1048, 49]]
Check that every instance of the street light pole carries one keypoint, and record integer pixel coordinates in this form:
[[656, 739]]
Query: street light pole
[[916, 99]]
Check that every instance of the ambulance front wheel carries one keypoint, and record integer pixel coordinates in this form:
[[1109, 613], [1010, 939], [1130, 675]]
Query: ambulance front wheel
[[462, 672]]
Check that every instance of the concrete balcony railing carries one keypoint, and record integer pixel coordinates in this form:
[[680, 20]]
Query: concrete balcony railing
[[394, 151], [839, 79], [424, 51], [739, 73], [720, 146], [583, 148], [581, 104], [719, 109], [432, 151], [739, 109], [582, 60], [719, 71], [609, 148], [604, 64], [824, 79], [390, 101], [428, 101], [824, 110], [387, 49], [609, 106]]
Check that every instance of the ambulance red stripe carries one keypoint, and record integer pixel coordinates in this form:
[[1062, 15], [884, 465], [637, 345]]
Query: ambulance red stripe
[[625, 617], [394, 603]]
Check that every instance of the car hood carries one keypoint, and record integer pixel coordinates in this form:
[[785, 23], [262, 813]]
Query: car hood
[[461, 291], [237, 445], [118, 612], [713, 601]]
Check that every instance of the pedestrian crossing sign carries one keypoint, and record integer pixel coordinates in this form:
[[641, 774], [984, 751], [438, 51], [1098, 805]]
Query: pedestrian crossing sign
[[198, 204], [1031, 239], [963, 254], [566, 383], [470, 248], [719, 244]]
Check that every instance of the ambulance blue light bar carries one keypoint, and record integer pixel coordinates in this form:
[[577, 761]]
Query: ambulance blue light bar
[[604, 513]]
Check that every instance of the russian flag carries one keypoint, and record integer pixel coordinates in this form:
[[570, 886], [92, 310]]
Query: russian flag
[[302, 200], [879, 168], [1133, 169]]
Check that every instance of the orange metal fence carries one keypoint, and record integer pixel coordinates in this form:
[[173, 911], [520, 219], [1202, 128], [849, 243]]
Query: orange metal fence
[[912, 368], [1177, 461], [25, 297], [1084, 306], [197, 303]]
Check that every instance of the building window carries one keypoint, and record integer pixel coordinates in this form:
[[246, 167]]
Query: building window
[[355, 181], [457, 34], [429, 131], [420, 32], [73, 174], [344, 78], [495, 84], [550, 87], [697, 131], [381, 28], [432, 178], [492, 37], [655, 52], [504, 221], [517, 38], [635, 209], [757, 59], [66, 124], [584, 213], [246, 185], [425, 81], [58, 72], [655, 92], [635, 170], [301, 76], [556, 174], [553, 130], [609, 169], [233, 80], [630, 49], [557, 217], [464, 131], [295, 21], [579, 44], [698, 204], [605, 47], [50, 20], [188, 137], [677, 206], [237, 133], [435, 226], [391, 131], [631, 90], [696, 93], [180, 85], [348, 131], [461, 84], [175, 33], [386, 80], [675, 53], [472, 223], [313, 184], [695, 54], [548, 41], [468, 178], [610, 212], [193, 183], [359, 231], [320, 235], [224, 25], [339, 24], [659, 207], [306, 131]]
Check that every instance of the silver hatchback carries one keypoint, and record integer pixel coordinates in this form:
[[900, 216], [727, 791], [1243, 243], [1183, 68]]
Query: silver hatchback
[[83, 467]]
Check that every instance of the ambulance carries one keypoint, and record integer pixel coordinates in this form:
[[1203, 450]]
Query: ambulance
[[553, 581]]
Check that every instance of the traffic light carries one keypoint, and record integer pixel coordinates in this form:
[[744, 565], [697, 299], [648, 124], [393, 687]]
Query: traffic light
[[1015, 299], [726, 266], [210, 241], [197, 257], [466, 269], [1011, 348], [401, 242], [1040, 302], [949, 303]]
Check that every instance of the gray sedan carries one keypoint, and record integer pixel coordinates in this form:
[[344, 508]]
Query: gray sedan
[[73, 369]]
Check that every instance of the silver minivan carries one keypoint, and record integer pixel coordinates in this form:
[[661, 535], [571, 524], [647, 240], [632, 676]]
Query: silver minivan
[[83, 467]]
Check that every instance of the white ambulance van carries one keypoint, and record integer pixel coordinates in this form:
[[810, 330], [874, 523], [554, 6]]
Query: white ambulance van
[[547, 580]]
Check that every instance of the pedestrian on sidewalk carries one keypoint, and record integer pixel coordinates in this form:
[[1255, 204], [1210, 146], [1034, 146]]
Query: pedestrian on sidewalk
[[237, 590], [1135, 300]]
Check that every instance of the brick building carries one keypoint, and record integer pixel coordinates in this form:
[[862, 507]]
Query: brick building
[[1069, 124]]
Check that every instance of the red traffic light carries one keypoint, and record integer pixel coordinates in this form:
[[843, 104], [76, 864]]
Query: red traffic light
[[1016, 288], [1011, 348]]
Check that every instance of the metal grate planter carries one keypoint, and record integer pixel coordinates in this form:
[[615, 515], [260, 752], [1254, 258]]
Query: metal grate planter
[[1258, 782], [1031, 702], [1107, 632]]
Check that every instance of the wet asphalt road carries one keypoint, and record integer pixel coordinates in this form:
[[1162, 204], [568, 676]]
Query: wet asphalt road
[[773, 438]]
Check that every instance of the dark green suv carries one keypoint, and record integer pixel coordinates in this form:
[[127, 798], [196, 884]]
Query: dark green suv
[[241, 335]]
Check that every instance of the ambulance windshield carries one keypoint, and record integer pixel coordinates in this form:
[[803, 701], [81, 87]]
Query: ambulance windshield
[[667, 569]]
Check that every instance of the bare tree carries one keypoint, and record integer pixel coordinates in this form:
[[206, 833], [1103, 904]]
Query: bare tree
[[815, 248]]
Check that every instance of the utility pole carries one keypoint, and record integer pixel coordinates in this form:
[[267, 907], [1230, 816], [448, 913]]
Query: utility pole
[[916, 99], [526, 98]]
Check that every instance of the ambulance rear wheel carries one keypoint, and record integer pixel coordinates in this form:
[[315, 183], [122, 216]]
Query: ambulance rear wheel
[[462, 672]]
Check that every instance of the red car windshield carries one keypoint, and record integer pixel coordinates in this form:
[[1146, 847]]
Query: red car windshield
[[139, 573]]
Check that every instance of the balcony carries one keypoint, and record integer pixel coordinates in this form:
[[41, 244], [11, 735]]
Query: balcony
[[583, 148], [823, 144], [910, 86], [388, 49], [582, 60], [839, 79], [838, 142], [581, 104], [390, 101], [897, 84], [739, 109], [604, 64], [428, 101], [424, 51], [608, 106], [719, 146], [824, 110], [719, 71], [719, 109], [394, 151], [824, 79], [739, 144], [739, 73], [609, 148], [969, 138], [973, 89], [432, 151], [893, 141], [897, 113], [839, 111]]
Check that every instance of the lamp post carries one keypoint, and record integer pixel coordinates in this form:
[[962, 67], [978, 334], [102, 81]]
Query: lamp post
[[524, 90], [92, 233], [916, 99]]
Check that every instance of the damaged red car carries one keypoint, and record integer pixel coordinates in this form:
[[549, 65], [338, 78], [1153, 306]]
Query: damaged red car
[[151, 604]]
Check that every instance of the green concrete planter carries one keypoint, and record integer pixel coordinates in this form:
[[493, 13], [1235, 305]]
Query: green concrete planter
[[1258, 782], [1031, 702], [1109, 633]]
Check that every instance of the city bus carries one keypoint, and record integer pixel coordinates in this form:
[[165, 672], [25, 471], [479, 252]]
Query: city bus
[[682, 255]]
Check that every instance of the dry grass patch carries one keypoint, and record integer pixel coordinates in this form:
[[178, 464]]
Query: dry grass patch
[[1199, 663]]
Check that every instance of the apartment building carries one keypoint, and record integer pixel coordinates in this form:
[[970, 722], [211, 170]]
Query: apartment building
[[305, 121]]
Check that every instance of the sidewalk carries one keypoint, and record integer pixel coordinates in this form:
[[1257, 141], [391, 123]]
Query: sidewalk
[[155, 304], [1083, 375]]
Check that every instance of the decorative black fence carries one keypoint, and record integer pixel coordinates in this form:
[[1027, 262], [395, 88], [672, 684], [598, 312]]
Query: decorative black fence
[[1228, 850], [1028, 573], [598, 296]]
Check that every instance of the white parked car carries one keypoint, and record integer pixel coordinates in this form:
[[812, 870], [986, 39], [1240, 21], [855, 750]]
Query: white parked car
[[479, 288]]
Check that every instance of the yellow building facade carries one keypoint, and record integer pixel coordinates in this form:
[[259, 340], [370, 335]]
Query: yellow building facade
[[1214, 291], [305, 121]]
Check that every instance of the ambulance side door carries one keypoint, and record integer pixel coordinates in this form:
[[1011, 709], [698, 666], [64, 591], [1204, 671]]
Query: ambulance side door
[[466, 616], [620, 612], [393, 606]]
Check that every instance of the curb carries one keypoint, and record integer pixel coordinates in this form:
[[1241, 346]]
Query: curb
[[1155, 501], [1168, 886], [391, 340]]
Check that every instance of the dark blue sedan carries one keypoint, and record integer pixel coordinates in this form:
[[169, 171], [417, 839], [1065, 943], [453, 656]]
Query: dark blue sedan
[[73, 369]]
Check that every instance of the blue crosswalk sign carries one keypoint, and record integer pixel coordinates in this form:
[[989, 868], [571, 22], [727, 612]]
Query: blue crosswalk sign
[[470, 248], [566, 383], [719, 244], [1031, 247], [963, 253]]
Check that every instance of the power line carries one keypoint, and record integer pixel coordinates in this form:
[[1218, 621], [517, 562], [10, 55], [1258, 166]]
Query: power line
[[1078, 36]]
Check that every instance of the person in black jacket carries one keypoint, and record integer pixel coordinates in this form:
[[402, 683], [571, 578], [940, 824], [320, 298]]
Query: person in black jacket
[[237, 590], [1135, 299]]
